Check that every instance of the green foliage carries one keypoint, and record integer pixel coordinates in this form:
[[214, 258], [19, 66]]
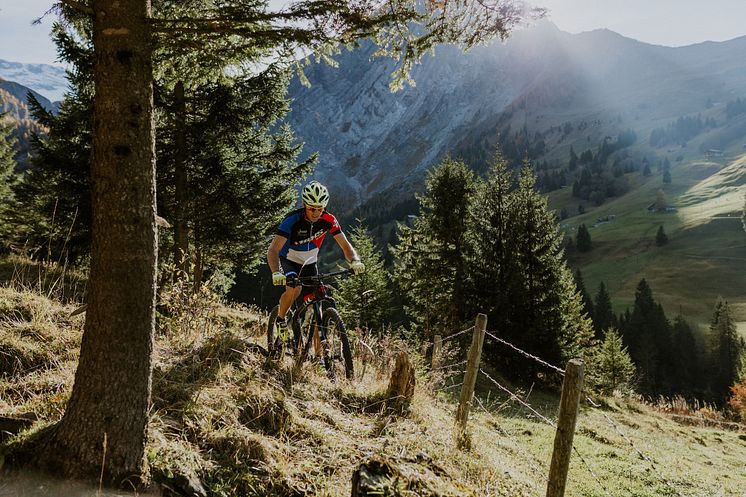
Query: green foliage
[[612, 367], [725, 352], [430, 268], [647, 334], [580, 285], [665, 354], [583, 239], [688, 376], [365, 299], [239, 165], [7, 177], [518, 277], [238, 170], [403, 30], [603, 314], [53, 217], [547, 312], [680, 131]]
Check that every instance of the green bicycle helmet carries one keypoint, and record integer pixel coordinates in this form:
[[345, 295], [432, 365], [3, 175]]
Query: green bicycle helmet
[[315, 194]]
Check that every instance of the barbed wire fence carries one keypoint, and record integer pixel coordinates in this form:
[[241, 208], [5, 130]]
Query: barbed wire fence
[[555, 477]]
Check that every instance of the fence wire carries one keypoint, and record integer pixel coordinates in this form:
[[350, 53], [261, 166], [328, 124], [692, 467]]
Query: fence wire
[[454, 365], [451, 337], [552, 423], [530, 458], [455, 385], [525, 354], [520, 400]]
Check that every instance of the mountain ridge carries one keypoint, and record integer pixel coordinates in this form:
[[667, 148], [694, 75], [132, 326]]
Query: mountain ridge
[[536, 79], [46, 79]]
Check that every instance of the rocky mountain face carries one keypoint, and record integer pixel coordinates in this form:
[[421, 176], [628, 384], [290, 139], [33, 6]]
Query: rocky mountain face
[[374, 142], [14, 100]]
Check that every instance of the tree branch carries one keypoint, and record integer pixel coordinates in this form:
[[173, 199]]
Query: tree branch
[[77, 6]]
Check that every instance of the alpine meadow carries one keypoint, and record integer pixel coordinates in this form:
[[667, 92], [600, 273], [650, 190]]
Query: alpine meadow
[[531, 243]]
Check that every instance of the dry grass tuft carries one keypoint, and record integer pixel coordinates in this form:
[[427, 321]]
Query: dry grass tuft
[[228, 421]]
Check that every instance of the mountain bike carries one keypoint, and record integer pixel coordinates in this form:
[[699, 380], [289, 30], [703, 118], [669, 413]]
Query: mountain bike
[[314, 319]]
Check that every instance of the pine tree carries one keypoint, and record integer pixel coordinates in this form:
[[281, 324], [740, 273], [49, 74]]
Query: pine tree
[[666, 177], [7, 178], [725, 352], [237, 175], [603, 316], [491, 244], [226, 176], [53, 217], [647, 335], [573, 162], [522, 283], [660, 237], [687, 371], [430, 268], [612, 367], [366, 298], [580, 285], [583, 239]]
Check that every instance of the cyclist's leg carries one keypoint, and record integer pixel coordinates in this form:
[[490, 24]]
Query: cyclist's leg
[[312, 270], [290, 293]]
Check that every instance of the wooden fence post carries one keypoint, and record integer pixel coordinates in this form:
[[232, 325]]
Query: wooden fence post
[[572, 387], [437, 344], [470, 379]]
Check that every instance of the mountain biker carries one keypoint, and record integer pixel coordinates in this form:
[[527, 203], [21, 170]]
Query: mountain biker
[[296, 245]]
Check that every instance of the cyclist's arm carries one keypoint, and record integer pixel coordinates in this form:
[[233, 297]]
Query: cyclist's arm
[[273, 253], [349, 251]]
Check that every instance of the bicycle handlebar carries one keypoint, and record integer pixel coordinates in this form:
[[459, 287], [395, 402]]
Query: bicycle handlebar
[[293, 281]]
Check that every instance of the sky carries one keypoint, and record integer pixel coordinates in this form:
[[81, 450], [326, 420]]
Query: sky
[[661, 22]]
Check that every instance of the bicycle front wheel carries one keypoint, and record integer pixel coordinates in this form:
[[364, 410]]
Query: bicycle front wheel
[[337, 346]]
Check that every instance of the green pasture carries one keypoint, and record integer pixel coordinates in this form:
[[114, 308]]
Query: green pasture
[[706, 253]]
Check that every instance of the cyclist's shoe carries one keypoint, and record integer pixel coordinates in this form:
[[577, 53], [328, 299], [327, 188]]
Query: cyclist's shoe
[[281, 339], [283, 333]]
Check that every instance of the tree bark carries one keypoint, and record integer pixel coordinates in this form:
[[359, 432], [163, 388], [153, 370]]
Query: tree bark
[[103, 430]]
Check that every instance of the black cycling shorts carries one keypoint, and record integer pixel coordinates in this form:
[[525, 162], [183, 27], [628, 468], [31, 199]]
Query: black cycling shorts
[[288, 266]]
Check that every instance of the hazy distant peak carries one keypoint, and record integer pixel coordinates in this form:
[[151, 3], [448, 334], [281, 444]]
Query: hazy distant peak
[[46, 79]]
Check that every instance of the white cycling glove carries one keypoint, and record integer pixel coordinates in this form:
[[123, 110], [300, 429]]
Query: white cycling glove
[[357, 266], [278, 278]]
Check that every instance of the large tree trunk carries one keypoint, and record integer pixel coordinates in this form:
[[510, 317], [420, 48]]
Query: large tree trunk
[[105, 423]]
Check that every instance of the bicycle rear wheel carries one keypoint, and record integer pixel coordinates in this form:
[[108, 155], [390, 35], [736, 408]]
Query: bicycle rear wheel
[[337, 343]]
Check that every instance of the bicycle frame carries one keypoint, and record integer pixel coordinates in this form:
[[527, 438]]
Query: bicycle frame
[[317, 331]]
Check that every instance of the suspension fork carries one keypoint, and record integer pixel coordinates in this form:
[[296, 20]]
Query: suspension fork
[[319, 333]]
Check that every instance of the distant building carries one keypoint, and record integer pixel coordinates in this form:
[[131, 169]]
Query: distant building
[[713, 152], [654, 208]]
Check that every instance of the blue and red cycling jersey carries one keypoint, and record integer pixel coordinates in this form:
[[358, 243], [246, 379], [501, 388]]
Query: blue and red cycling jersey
[[304, 238]]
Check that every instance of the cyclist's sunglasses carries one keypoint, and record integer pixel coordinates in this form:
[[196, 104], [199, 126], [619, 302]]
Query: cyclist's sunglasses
[[314, 209]]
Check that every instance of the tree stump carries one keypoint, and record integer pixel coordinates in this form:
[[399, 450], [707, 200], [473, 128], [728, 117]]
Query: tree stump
[[401, 384]]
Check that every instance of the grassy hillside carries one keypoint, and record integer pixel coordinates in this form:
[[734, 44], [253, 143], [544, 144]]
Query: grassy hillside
[[706, 253], [223, 416]]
